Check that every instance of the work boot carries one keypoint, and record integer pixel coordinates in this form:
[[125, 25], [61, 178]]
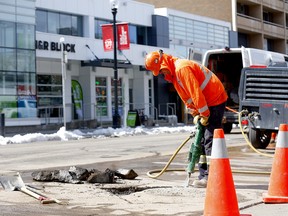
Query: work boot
[[202, 183]]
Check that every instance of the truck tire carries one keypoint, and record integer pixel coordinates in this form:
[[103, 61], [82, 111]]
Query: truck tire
[[227, 128], [259, 138]]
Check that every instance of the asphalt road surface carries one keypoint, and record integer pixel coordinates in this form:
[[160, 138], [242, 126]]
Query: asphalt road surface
[[165, 195]]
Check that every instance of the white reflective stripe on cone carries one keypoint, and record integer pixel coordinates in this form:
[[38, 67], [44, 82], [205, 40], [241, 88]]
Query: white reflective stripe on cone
[[282, 139], [219, 148]]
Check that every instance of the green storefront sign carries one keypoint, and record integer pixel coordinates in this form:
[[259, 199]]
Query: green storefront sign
[[77, 99]]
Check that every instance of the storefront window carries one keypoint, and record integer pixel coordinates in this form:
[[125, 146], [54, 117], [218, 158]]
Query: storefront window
[[26, 107], [25, 60], [41, 21], [17, 70], [65, 24], [59, 23], [133, 34], [199, 34], [8, 106], [25, 36], [18, 107], [7, 59], [26, 84], [49, 95], [76, 26], [101, 96], [142, 37], [138, 34], [53, 22], [8, 83], [98, 28], [7, 32]]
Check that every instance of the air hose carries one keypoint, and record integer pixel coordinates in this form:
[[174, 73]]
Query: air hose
[[246, 139], [165, 169], [170, 161]]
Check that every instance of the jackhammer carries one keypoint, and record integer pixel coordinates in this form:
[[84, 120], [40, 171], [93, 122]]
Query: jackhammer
[[195, 151], [194, 155]]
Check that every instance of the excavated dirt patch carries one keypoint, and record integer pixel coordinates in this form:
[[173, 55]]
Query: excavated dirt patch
[[129, 190]]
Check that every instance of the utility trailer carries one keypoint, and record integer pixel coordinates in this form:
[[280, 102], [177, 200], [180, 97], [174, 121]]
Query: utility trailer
[[228, 63], [263, 92]]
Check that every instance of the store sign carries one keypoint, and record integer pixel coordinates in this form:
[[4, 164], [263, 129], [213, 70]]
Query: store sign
[[77, 99], [54, 46]]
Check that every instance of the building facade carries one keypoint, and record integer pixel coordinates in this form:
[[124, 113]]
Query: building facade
[[18, 61], [36, 34], [31, 53], [190, 36], [259, 24]]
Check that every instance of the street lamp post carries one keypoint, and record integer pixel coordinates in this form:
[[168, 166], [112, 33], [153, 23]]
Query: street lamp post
[[63, 64], [116, 116]]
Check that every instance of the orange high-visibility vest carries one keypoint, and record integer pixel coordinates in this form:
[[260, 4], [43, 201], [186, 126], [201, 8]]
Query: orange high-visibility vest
[[198, 87]]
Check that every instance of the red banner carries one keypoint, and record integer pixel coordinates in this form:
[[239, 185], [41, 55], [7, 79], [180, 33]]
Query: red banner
[[108, 39], [123, 36]]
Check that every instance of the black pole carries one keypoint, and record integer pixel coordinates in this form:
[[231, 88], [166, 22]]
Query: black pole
[[2, 124], [116, 116]]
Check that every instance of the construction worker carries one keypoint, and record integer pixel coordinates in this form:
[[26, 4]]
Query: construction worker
[[201, 91]]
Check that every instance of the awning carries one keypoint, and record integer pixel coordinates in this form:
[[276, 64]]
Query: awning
[[108, 63]]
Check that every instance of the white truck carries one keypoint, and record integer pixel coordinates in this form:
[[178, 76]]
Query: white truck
[[228, 63]]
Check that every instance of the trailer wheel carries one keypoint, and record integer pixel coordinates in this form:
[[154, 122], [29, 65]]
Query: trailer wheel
[[227, 128], [259, 138]]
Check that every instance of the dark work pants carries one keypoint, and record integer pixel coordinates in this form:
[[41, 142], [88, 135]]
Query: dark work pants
[[215, 121]]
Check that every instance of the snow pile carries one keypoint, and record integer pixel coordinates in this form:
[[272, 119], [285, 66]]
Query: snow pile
[[63, 135]]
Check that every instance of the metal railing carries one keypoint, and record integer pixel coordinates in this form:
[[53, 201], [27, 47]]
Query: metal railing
[[147, 108], [50, 112], [98, 113], [54, 114], [90, 111], [166, 109]]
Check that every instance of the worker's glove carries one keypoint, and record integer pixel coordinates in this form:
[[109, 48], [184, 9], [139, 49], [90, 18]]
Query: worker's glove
[[203, 120], [196, 119]]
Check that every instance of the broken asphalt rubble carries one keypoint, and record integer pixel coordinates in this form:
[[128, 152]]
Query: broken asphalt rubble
[[78, 175]]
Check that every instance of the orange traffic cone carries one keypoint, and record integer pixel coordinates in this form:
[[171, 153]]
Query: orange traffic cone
[[221, 199], [278, 185]]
